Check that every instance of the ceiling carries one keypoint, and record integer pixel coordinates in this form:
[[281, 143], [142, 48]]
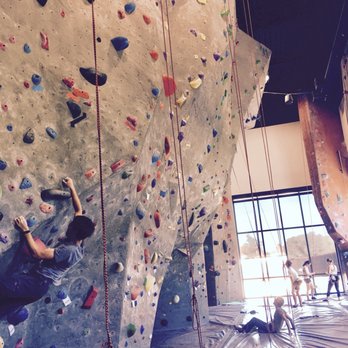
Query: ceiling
[[307, 39]]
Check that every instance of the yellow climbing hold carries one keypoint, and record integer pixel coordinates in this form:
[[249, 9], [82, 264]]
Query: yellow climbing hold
[[202, 36], [154, 257], [181, 100], [196, 83], [149, 282], [202, 2]]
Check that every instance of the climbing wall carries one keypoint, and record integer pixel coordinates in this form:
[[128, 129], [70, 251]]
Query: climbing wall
[[174, 78]]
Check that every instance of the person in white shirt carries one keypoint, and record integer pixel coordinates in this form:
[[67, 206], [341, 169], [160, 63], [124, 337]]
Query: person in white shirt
[[333, 279], [307, 276], [295, 283]]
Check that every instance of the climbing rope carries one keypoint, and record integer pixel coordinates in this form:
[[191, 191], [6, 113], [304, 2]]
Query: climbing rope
[[107, 344], [180, 170]]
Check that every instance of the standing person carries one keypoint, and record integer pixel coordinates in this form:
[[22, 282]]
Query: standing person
[[295, 283], [333, 279], [307, 276], [280, 316], [17, 290]]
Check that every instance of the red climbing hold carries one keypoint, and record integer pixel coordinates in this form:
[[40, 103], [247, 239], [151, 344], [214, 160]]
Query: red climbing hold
[[19, 161], [46, 208], [169, 85], [90, 173], [68, 81], [147, 255], [154, 55], [121, 14], [26, 84], [62, 13], [157, 219], [148, 233], [166, 145], [141, 184], [131, 122], [225, 200], [4, 107], [44, 41], [147, 19], [117, 165], [92, 294], [135, 293]]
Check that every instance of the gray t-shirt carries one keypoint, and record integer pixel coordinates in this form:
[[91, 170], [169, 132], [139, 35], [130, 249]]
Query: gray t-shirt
[[278, 320], [65, 257]]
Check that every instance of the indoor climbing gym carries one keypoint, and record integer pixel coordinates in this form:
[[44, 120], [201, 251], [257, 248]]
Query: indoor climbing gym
[[173, 173]]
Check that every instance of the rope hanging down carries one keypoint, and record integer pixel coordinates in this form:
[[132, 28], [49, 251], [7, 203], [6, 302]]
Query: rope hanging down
[[181, 183], [108, 344]]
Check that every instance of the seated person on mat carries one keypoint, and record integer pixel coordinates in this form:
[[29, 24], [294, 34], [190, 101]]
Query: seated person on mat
[[17, 290], [280, 316]]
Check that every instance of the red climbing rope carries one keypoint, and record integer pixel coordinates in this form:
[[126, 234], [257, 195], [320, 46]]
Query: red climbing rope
[[107, 344], [181, 183]]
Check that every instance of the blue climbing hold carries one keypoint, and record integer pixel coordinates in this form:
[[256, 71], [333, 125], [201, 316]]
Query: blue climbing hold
[[51, 132], [163, 193], [170, 163], [142, 329], [153, 183], [74, 109], [191, 219], [9, 127], [29, 136], [90, 75], [18, 316], [62, 295], [139, 212], [208, 148], [129, 7], [215, 132], [190, 179], [202, 212], [54, 229], [155, 91], [31, 221], [135, 142], [42, 2], [155, 157], [181, 136], [26, 48], [183, 123], [120, 43], [25, 184], [200, 168], [3, 165], [179, 221], [36, 79]]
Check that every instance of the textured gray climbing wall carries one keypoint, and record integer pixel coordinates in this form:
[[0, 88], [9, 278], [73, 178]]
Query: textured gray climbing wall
[[148, 122]]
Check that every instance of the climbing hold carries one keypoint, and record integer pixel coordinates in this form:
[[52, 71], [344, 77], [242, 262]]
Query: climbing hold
[[31, 221], [181, 136], [26, 48], [148, 233], [200, 168], [119, 267], [80, 93], [51, 132], [131, 122], [117, 165], [3, 238], [176, 299], [147, 19], [126, 174], [154, 257], [42, 2], [139, 211], [166, 146], [153, 183], [191, 219], [18, 316], [216, 56], [74, 108], [44, 41], [149, 282], [224, 246], [61, 295], [215, 132], [169, 85], [25, 184], [135, 293], [3, 165], [1, 214], [91, 296], [202, 212], [154, 55], [155, 157], [46, 208], [181, 100], [131, 328], [26, 84], [90, 173], [90, 75], [129, 7], [163, 193], [68, 81], [196, 83], [155, 91], [120, 43], [36, 79], [4, 107], [54, 194], [54, 229], [146, 255], [142, 329], [157, 218], [208, 148]]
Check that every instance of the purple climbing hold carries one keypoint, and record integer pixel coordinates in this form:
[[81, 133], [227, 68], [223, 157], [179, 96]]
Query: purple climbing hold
[[215, 132], [183, 123], [42, 2], [216, 56], [18, 316], [25, 184], [120, 43], [200, 168], [142, 329], [219, 226], [3, 238], [181, 136], [62, 295], [51, 132], [190, 179], [3, 165], [54, 229], [92, 77], [202, 212], [191, 219], [224, 246], [129, 7], [208, 148], [74, 108], [153, 183], [29, 136], [179, 221]]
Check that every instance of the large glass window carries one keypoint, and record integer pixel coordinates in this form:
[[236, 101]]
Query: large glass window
[[284, 225]]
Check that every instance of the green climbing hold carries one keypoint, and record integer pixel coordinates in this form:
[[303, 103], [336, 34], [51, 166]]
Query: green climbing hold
[[131, 328]]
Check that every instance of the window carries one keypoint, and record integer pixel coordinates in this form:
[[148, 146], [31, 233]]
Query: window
[[283, 225]]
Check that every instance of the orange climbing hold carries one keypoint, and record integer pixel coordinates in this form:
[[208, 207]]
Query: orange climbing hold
[[46, 208], [154, 55], [135, 293], [90, 173], [80, 93], [73, 97], [169, 85], [147, 19], [147, 255]]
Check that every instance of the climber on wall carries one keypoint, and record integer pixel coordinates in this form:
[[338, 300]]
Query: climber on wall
[[17, 290]]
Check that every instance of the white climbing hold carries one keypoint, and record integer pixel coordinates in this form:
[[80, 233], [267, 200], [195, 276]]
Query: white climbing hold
[[176, 299]]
